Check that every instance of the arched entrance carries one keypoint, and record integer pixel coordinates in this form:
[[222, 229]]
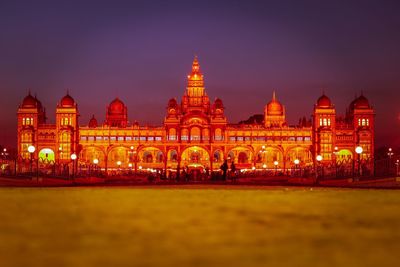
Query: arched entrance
[[241, 156], [268, 156], [150, 157], [302, 154], [46, 160], [195, 157], [46, 156]]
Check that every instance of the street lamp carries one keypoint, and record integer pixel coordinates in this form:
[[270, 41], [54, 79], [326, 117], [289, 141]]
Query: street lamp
[[276, 165], [296, 162], [73, 157], [390, 154], [119, 165], [95, 162], [31, 150], [58, 159], [319, 159], [359, 150], [397, 167]]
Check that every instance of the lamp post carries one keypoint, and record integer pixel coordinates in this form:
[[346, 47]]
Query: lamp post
[[58, 159], [119, 163], [31, 150], [390, 154], [73, 157], [276, 166], [359, 150], [296, 162], [319, 159], [95, 162], [397, 167]]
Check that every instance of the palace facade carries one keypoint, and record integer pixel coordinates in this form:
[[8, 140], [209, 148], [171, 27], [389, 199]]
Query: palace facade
[[195, 134]]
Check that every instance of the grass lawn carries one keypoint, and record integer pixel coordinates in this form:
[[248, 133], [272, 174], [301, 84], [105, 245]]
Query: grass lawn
[[198, 226]]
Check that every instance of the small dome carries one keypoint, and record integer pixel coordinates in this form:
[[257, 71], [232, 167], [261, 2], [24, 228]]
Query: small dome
[[218, 104], [361, 103], [67, 101], [29, 102], [324, 102], [93, 122], [116, 106], [172, 103]]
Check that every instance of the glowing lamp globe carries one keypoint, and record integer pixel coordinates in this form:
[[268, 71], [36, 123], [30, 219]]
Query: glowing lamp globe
[[296, 161], [264, 166], [253, 168], [31, 149], [119, 163], [276, 163], [96, 161], [73, 156], [359, 150], [319, 158], [130, 165]]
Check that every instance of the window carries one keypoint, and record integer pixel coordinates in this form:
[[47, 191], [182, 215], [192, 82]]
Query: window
[[142, 138], [65, 121], [158, 138], [150, 138], [120, 138]]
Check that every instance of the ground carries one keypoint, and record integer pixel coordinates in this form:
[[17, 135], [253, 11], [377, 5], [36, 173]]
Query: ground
[[202, 225]]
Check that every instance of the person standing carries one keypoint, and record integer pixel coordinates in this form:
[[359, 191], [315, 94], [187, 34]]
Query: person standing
[[224, 168], [233, 172]]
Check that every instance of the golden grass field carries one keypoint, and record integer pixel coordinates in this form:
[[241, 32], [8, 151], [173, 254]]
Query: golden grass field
[[199, 226]]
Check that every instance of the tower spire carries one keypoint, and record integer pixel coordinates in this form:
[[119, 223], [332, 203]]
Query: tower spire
[[273, 95], [195, 66]]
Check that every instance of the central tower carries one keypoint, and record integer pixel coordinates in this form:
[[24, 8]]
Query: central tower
[[195, 97]]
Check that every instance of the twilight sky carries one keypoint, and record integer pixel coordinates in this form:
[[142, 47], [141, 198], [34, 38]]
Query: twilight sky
[[141, 51]]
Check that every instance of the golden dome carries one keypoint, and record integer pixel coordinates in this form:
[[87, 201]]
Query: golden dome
[[274, 107]]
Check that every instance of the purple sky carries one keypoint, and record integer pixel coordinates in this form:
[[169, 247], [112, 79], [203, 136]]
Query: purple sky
[[141, 51]]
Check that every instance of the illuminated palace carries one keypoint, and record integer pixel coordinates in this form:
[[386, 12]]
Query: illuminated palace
[[195, 134]]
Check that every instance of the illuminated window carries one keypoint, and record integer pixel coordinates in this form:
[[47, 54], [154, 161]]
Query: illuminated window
[[218, 135], [150, 138], [120, 138], [142, 138], [195, 134], [158, 138]]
